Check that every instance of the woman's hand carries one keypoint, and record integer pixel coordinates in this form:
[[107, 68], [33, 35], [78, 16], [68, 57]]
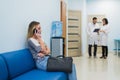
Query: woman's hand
[[102, 31], [38, 36], [41, 54], [41, 42], [47, 50], [44, 49]]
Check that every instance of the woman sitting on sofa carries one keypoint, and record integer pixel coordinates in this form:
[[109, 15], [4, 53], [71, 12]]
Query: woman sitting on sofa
[[39, 50]]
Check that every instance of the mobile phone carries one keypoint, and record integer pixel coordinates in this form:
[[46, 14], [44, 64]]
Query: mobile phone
[[35, 31]]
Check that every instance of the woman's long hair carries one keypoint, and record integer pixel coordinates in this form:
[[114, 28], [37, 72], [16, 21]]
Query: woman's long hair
[[31, 28]]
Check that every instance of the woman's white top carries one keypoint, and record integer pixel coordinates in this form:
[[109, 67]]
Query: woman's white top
[[104, 35]]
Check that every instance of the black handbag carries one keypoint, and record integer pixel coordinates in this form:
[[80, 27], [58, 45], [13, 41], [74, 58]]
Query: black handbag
[[58, 64]]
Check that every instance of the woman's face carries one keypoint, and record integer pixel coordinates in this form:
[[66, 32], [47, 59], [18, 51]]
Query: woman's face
[[103, 22], [38, 27]]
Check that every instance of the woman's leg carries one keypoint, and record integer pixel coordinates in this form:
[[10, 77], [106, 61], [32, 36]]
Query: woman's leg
[[106, 49], [42, 64], [72, 76], [103, 51]]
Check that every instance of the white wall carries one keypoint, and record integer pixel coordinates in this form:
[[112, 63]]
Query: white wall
[[111, 9], [80, 5], [15, 15]]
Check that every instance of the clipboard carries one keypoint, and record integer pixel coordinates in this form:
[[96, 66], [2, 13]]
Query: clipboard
[[96, 30]]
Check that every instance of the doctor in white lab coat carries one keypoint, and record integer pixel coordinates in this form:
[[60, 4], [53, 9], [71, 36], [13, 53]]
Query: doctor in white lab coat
[[104, 31], [92, 37]]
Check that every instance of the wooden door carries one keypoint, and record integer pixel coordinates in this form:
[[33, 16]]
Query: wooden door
[[74, 33]]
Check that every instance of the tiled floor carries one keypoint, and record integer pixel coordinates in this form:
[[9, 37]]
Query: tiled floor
[[98, 69]]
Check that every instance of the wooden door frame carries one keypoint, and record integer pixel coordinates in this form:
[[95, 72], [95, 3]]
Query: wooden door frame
[[64, 21]]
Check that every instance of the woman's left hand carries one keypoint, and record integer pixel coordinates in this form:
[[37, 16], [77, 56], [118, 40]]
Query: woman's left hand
[[102, 31], [41, 55]]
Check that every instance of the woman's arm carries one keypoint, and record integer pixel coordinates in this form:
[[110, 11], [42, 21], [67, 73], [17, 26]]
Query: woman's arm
[[34, 45], [47, 50], [41, 54], [44, 49], [106, 31], [41, 42]]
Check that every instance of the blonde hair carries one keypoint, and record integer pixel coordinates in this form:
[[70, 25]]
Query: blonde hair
[[31, 28]]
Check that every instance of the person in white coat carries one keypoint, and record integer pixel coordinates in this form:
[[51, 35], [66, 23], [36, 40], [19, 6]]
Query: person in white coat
[[104, 31], [92, 37]]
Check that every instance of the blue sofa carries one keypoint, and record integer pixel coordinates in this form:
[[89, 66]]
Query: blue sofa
[[19, 65]]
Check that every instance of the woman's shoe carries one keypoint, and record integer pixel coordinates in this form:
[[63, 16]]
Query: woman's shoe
[[102, 57], [105, 57]]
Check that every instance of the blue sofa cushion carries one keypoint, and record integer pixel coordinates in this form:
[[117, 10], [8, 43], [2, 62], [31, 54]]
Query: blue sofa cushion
[[42, 75], [19, 62], [3, 70]]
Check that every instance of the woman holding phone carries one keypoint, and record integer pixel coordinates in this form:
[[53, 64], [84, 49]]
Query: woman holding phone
[[39, 50], [104, 31]]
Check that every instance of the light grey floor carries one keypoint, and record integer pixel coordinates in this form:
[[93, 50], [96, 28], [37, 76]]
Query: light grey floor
[[98, 69]]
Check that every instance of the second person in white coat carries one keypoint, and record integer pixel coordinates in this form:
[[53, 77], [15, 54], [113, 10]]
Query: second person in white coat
[[105, 29]]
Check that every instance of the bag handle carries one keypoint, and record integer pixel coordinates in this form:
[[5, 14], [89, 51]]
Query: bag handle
[[60, 56]]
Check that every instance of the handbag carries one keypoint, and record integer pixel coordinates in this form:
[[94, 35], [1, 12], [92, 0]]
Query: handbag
[[58, 64]]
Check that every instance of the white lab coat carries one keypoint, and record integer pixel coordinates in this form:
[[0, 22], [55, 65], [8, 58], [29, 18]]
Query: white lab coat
[[104, 35], [92, 36]]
